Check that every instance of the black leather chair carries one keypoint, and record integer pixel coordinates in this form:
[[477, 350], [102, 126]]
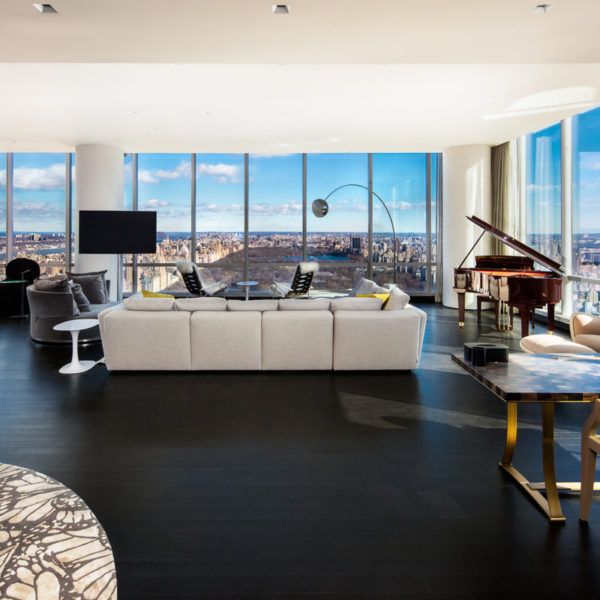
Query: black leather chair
[[12, 295]]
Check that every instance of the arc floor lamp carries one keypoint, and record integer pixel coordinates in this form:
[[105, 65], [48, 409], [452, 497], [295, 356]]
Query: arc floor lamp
[[320, 208]]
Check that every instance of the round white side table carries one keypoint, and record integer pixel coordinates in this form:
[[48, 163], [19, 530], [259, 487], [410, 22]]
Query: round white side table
[[75, 326], [247, 285]]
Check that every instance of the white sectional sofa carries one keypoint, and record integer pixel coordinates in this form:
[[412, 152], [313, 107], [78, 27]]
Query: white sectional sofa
[[272, 335]]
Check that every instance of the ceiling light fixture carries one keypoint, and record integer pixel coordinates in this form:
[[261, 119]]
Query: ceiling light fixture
[[46, 8], [541, 9], [281, 9]]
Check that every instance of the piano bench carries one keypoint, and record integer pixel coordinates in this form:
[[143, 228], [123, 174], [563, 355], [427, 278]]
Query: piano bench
[[545, 343]]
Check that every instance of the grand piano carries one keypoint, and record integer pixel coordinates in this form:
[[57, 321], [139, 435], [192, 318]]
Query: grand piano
[[510, 279]]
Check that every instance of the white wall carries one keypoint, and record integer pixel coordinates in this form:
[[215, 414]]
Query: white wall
[[467, 191], [98, 186]]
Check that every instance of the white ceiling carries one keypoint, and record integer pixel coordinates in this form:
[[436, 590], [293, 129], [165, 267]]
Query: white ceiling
[[334, 75]]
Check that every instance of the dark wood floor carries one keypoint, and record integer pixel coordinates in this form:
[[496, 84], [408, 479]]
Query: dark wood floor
[[313, 485]]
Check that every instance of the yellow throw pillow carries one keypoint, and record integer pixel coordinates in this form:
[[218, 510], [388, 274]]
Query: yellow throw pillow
[[384, 298], [148, 294]]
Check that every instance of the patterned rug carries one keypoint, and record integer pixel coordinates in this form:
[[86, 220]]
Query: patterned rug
[[51, 544]]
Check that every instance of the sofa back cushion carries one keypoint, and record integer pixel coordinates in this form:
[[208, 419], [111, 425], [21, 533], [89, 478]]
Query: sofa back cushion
[[305, 304], [356, 304], [194, 304], [93, 284], [83, 304], [152, 304], [366, 286], [397, 300], [256, 305], [52, 284]]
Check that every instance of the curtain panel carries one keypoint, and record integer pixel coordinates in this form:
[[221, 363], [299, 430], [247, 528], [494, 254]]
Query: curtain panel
[[505, 194]]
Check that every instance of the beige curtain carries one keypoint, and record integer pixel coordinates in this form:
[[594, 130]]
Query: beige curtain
[[505, 194]]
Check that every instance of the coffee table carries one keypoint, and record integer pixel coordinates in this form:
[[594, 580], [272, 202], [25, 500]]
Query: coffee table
[[247, 285], [75, 326], [545, 379]]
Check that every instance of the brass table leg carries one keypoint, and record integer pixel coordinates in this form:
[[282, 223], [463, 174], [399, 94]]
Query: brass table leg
[[511, 434], [551, 505], [554, 511]]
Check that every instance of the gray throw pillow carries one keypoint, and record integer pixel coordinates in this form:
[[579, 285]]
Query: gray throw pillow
[[80, 298], [366, 286], [92, 286], [51, 285], [75, 278]]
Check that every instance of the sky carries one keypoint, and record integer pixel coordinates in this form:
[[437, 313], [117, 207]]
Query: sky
[[544, 177], [275, 191]]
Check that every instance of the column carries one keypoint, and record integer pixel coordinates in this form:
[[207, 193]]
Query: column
[[98, 186], [467, 191]]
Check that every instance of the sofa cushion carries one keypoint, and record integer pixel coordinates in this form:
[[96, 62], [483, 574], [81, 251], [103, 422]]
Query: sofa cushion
[[398, 300], [297, 340], [384, 340], [256, 305], [83, 304], [305, 304], [223, 341], [89, 285], [153, 304], [52, 284], [146, 341], [366, 286], [194, 304], [356, 304]]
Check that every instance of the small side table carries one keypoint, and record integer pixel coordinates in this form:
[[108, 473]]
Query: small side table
[[247, 285], [75, 326]]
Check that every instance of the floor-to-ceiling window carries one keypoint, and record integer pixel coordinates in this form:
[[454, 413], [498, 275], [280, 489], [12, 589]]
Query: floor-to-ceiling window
[[164, 186], [274, 195], [220, 216], [39, 210], [339, 240], [402, 182], [544, 191], [586, 212], [274, 218], [241, 216]]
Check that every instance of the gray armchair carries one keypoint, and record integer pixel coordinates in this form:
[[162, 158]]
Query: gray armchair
[[47, 309]]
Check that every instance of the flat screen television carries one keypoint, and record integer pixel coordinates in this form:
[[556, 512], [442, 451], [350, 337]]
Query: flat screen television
[[117, 232]]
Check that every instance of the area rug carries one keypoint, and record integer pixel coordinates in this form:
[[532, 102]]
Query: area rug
[[51, 544]]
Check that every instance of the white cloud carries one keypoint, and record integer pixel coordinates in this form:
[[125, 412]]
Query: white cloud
[[146, 177], [221, 172], [217, 208], [288, 208], [183, 169], [156, 203], [47, 178]]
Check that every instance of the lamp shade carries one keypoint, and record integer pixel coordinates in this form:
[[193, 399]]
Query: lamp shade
[[320, 208]]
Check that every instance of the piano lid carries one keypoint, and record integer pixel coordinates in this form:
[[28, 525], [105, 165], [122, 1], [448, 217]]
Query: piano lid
[[520, 247]]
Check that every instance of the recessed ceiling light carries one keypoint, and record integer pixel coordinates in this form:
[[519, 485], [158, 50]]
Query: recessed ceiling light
[[541, 9], [45, 8], [281, 9]]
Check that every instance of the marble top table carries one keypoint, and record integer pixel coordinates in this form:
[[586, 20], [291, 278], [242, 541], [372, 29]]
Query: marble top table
[[544, 379]]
